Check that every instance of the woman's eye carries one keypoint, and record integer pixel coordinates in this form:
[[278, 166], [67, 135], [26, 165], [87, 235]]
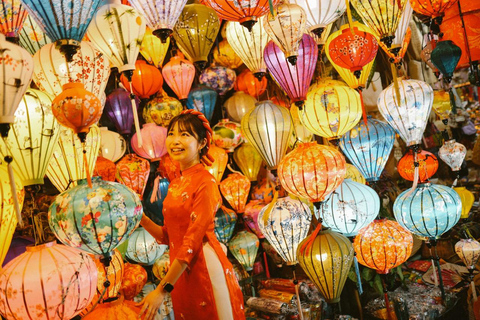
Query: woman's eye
[[170, 134]]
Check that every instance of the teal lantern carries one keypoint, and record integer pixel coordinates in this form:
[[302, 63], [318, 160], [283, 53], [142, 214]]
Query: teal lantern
[[95, 219], [244, 247], [445, 57], [203, 99], [225, 220], [153, 202], [143, 248]]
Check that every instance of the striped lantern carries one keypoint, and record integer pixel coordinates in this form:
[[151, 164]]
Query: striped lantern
[[225, 220], [244, 247], [133, 172], [143, 248], [235, 189]]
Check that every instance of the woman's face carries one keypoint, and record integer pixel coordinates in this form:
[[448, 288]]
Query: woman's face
[[183, 147]]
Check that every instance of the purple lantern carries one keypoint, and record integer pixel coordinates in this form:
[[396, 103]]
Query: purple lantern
[[220, 79], [153, 147], [294, 80], [118, 108], [250, 216]]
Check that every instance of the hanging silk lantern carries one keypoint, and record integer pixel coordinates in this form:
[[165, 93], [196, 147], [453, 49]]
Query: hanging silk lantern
[[218, 166], [33, 137], [65, 275], [238, 105], [268, 128], [428, 165], [134, 279], [133, 172], [402, 35], [203, 99], [248, 45], [331, 111], [105, 169], [8, 218], [224, 222], [249, 83], [161, 266], [12, 16], [161, 109], [32, 37], [153, 202], [250, 216], [161, 15], [293, 79], [326, 258], [244, 247], [467, 198], [312, 171], [66, 164], [322, 39], [441, 105], [286, 28], [354, 174], [195, 33], [285, 226], [143, 248], [368, 147], [445, 57], [169, 168], [383, 245], [95, 219], [349, 208], [118, 108], [469, 251], [87, 66], [321, 13], [432, 8], [113, 274], [248, 160], [179, 74], [218, 78], [56, 19], [112, 146], [146, 80], [152, 48], [227, 135], [153, 147], [235, 189], [453, 154], [224, 55], [300, 134], [429, 211]]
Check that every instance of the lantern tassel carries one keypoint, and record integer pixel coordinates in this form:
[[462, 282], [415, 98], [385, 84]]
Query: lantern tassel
[[154, 196], [135, 117], [349, 15], [435, 279], [385, 295], [266, 215], [13, 187], [267, 270], [357, 272], [307, 245], [395, 82], [364, 112], [474, 290]]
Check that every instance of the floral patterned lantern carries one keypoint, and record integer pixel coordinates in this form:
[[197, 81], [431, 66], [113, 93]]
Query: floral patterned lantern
[[112, 146], [143, 248], [238, 105], [50, 281], [113, 274], [203, 99], [235, 189], [354, 174], [161, 109], [161, 265], [251, 83], [153, 147], [428, 165], [469, 251], [133, 172], [349, 208], [321, 13], [218, 166], [134, 278], [32, 37], [227, 135], [453, 154], [225, 220], [118, 108], [146, 80], [179, 74], [248, 160], [153, 202], [225, 56], [244, 247], [285, 226], [250, 216], [105, 169], [153, 50], [12, 16], [467, 199], [219, 78]]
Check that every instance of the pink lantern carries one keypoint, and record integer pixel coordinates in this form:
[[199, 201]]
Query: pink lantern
[[133, 172], [235, 189], [153, 147], [250, 216], [179, 74], [293, 79]]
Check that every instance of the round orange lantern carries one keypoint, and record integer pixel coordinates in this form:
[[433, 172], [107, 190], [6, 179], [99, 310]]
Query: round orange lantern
[[113, 274], [312, 171], [133, 172], [248, 83], [146, 80], [118, 309], [235, 189], [428, 165], [134, 278], [104, 168]]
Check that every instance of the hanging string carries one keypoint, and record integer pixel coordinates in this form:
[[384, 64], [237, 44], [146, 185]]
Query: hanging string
[[385, 295], [9, 159], [357, 272], [349, 16], [435, 279], [416, 164], [83, 138], [134, 109], [395, 82], [364, 111], [297, 293]]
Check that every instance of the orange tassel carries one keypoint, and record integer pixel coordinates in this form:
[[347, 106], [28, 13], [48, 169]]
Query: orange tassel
[[307, 245], [266, 215], [85, 162]]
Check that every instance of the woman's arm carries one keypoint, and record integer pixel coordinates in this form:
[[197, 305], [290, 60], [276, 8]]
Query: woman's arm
[[158, 232]]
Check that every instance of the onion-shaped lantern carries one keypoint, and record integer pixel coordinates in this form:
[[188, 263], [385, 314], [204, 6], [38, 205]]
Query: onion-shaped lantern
[[238, 105], [445, 57], [146, 80], [248, 160], [203, 99], [227, 135], [244, 247], [153, 50], [321, 13], [354, 174], [429, 211], [161, 109], [105, 169], [235, 189], [251, 84], [112, 146], [349, 208], [441, 105], [469, 251], [250, 216], [32, 37], [133, 172], [225, 56], [12, 16], [220, 79], [428, 165], [224, 222], [143, 248], [326, 258], [179, 74], [153, 202], [293, 79], [368, 147], [118, 109], [467, 198], [453, 154], [285, 226], [153, 147], [49, 280], [195, 33], [218, 166], [268, 128]]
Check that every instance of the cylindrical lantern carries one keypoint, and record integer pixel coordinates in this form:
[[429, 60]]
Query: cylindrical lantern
[[143, 248], [428, 165], [118, 108], [179, 74], [235, 189], [203, 99], [146, 80], [218, 166], [133, 172], [225, 220], [227, 135], [161, 109], [220, 79], [153, 146], [112, 146], [248, 160], [238, 105], [244, 247]]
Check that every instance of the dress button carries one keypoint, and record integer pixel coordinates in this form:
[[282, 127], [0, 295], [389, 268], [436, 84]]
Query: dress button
[[203, 304]]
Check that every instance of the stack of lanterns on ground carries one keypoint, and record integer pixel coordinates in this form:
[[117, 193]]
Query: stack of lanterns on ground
[[106, 86]]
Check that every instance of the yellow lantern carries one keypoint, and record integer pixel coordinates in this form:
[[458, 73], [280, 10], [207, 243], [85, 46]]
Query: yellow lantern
[[300, 134], [320, 40], [152, 48], [218, 166], [248, 160], [467, 198], [66, 165], [195, 33], [225, 56], [8, 218], [331, 111], [354, 175], [441, 105]]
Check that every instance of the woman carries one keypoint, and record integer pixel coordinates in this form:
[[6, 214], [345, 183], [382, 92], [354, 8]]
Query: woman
[[200, 278]]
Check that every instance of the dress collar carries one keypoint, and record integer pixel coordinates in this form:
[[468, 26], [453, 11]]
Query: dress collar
[[193, 169]]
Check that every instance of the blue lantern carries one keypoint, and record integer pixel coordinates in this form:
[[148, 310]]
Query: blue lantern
[[429, 210], [153, 202], [368, 147], [349, 208], [225, 220], [445, 57], [64, 21], [203, 99]]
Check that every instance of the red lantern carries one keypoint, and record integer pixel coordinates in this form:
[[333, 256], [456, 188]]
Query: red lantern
[[133, 172], [134, 278], [235, 189], [179, 74], [146, 80], [104, 168], [432, 8], [427, 168], [248, 83]]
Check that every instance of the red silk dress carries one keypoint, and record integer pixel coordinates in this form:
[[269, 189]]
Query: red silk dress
[[189, 210]]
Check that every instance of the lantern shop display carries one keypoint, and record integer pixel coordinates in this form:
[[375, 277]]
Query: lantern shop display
[[244, 247], [133, 171], [224, 221], [143, 248], [134, 278], [227, 135], [250, 216], [161, 109], [112, 145], [203, 99], [219, 78], [235, 189]]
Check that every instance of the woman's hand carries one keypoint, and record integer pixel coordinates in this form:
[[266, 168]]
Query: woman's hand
[[151, 303]]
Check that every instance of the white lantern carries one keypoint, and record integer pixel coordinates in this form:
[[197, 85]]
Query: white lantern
[[112, 145], [238, 105], [321, 13]]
